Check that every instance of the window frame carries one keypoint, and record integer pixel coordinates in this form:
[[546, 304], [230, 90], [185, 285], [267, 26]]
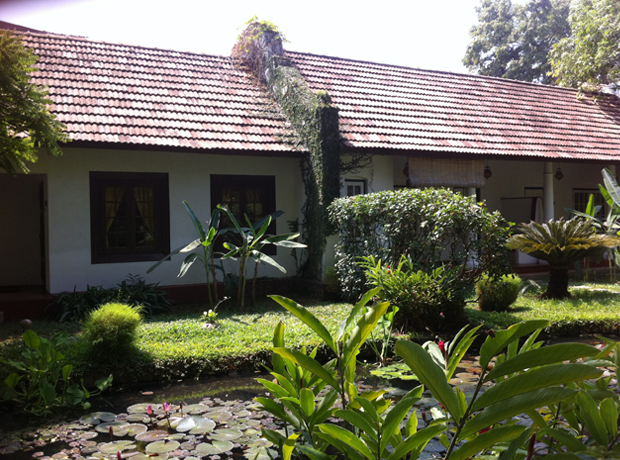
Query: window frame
[[99, 180], [267, 183], [355, 182]]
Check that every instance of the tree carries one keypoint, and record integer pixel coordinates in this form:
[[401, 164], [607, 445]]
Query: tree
[[513, 41], [26, 125], [560, 243], [590, 57]]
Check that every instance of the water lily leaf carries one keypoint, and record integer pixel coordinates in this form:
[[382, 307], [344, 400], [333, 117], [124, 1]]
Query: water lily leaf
[[116, 427], [195, 424], [194, 409], [219, 416], [141, 456], [218, 447], [166, 423], [260, 443], [94, 418], [143, 407], [226, 435], [88, 435], [116, 446], [151, 436], [138, 418], [261, 454], [161, 447], [134, 429]]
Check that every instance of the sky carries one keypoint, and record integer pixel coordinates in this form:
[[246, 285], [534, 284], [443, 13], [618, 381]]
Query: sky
[[426, 34]]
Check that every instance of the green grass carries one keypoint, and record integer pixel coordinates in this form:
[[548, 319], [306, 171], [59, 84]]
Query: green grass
[[594, 309], [177, 346]]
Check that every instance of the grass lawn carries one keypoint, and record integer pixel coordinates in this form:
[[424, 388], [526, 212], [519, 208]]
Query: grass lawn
[[177, 346], [594, 309]]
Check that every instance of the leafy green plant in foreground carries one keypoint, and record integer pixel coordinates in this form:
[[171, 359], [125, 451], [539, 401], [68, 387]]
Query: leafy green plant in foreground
[[42, 381], [526, 377]]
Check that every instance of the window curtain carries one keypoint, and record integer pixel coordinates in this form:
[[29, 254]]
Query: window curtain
[[114, 196], [143, 197]]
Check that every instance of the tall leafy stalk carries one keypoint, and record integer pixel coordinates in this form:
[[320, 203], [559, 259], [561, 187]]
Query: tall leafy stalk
[[205, 241], [252, 239]]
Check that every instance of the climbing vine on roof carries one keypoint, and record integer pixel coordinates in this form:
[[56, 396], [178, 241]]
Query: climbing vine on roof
[[315, 120]]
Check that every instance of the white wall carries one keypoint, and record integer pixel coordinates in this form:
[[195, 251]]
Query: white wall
[[379, 176], [510, 178], [189, 179]]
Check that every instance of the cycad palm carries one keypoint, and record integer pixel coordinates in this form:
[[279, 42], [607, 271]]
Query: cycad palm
[[560, 243]]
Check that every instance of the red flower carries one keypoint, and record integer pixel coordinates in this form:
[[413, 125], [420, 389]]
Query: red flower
[[484, 430], [442, 346], [118, 455]]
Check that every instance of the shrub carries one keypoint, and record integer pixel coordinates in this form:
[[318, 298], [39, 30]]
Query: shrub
[[432, 227], [112, 328], [134, 291], [497, 294], [433, 301]]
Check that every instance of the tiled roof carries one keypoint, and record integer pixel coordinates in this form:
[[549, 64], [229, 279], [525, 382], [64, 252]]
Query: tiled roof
[[129, 95], [133, 96], [398, 109]]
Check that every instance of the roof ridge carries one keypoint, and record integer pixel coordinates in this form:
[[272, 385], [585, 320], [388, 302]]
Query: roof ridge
[[104, 42]]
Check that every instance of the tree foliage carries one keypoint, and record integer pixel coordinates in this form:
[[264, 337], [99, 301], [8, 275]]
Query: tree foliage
[[590, 57], [26, 125], [513, 41]]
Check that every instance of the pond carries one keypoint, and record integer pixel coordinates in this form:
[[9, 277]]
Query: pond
[[218, 419]]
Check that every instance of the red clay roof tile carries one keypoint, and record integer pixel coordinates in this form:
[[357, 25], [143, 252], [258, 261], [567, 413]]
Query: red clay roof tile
[[131, 95], [411, 109]]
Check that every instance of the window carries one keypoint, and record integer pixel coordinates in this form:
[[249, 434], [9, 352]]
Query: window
[[251, 195], [581, 197], [130, 217], [354, 187]]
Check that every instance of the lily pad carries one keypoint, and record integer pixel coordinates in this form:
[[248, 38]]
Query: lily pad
[[145, 456], [219, 416], [195, 424], [117, 427], [151, 436], [88, 435], [194, 409], [95, 418], [138, 418], [261, 453], [143, 407], [226, 434], [162, 447], [262, 442], [217, 447], [116, 446]]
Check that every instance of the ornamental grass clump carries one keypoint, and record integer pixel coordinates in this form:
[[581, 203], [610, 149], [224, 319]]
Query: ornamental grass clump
[[111, 329], [497, 294]]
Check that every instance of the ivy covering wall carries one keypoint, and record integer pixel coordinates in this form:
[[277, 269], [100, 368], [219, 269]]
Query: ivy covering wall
[[315, 121]]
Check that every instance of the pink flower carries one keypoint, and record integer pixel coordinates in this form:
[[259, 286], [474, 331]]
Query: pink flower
[[149, 410], [442, 346], [118, 455], [166, 407]]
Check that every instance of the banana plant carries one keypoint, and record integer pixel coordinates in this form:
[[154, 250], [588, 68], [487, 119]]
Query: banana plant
[[207, 257], [525, 378], [253, 239]]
